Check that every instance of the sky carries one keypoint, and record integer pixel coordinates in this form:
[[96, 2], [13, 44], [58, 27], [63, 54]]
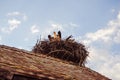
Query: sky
[[95, 23]]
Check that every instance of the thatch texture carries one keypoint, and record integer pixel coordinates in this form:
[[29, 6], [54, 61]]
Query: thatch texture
[[67, 49], [24, 65]]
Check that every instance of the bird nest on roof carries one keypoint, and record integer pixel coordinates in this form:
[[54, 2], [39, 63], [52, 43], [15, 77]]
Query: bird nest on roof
[[66, 49]]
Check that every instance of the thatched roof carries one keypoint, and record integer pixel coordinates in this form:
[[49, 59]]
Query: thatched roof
[[15, 63]]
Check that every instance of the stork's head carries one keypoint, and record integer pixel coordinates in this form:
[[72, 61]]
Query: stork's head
[[49, 36], [54, 33]]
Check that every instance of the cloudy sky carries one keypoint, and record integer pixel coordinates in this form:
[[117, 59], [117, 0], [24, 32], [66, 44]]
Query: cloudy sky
[[95, 24]]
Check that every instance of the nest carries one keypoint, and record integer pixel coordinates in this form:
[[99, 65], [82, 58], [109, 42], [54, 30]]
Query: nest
[[67, 49]]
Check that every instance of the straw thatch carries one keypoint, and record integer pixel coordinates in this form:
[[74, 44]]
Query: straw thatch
[[67, 49], [19, 64]]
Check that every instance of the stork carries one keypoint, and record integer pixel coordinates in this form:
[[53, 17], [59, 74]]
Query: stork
[[59, 36], [50, 38]]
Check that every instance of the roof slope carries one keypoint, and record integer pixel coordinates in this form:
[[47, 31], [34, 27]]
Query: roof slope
[[17, 61]]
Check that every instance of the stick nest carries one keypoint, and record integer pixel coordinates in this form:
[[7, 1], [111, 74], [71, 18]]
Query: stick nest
[[67, 49]]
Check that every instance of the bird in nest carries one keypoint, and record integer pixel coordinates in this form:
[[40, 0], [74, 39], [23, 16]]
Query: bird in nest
[[56, 37]]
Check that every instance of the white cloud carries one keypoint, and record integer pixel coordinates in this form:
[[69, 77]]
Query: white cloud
[[108, 34], [16, 13], [102, 59], [56, 26], [117, 37], [73, 24], [34, 29], [12, 25], [118, 16], [105, 62], [14, 20], [102, 34]]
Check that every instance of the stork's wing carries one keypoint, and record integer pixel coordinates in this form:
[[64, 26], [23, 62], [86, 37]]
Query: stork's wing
[[69, 37], [49, 37], [59, 33]]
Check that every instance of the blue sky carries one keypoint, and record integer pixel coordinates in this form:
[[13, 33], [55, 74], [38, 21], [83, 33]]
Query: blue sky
[[96, 23]]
